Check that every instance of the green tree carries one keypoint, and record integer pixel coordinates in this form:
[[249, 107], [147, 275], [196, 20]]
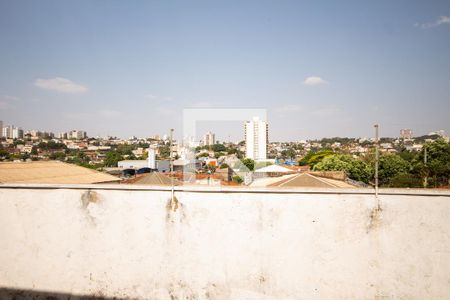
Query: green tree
[[437, 167], [218, 148], [289, 153], [354, 168], [164, 151], [313, 157], [391, 165], [237, 179], [34, 150], [4, 154], [51, 145], [219, 154], [305, 159], [111, 158], [405, 180], [204, 154], [249, 163], [57, 156]]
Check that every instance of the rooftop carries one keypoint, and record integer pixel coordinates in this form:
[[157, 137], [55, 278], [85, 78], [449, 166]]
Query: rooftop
[[54, 172]]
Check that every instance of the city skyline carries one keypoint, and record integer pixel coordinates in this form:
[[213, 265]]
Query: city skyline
[[202, 133], [121, 69]]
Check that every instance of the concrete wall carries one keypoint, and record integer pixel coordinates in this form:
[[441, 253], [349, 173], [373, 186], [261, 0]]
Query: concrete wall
[[233, 245]]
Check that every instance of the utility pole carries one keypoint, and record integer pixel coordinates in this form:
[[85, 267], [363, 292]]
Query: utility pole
[[376, 160], [171, 163], [425, 182]]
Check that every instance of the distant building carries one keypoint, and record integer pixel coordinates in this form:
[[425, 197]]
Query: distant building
[[406, 133], [209, 139], [46, 134], [17, 133], [7, 132], [256, 139], [1, 129], [150, 162], [35, 133], [438, 132], [77, 134], [151, 159]]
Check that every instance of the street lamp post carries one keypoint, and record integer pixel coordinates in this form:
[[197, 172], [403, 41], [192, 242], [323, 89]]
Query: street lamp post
[[376, 160], [171, 164], [425, 181]]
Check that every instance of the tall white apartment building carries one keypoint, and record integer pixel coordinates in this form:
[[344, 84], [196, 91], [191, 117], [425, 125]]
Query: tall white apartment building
[[209, 139], [77, 134], [7, 131], [256, 139], [17, 133], [406, 133], [1, 129]]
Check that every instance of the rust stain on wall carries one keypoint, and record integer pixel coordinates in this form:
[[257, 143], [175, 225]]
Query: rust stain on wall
[[375, 218], [89, 197]]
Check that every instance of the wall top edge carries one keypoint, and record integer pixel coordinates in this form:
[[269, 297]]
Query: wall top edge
[[225, 189]]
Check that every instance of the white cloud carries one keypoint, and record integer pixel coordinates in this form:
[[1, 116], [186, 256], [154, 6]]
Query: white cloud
[[60, 84], [289, 108], [314, 80], [441, 20], [150, 96]]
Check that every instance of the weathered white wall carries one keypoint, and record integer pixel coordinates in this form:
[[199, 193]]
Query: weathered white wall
[[127, 243]]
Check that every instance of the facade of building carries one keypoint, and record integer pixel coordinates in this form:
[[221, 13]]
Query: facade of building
[[209, 139], [1, 129], [256, 139], [77, 134], [17, 133], [406, 133], [6, 131], [156, 165]]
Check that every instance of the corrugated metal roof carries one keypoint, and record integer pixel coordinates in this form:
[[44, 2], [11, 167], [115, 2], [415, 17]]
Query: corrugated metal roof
[[50, 172]]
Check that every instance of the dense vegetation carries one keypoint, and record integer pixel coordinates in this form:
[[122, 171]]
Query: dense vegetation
[[405, 169]]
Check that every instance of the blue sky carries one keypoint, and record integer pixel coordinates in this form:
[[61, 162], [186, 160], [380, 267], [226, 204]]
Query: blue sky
[[320, 68]]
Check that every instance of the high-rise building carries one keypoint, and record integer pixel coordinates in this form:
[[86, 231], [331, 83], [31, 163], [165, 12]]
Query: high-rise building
[[406, 133], [256, 139], [35, 133], [77, 134], [7, 131], [1, 129], [209, 139], [17, 133]]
